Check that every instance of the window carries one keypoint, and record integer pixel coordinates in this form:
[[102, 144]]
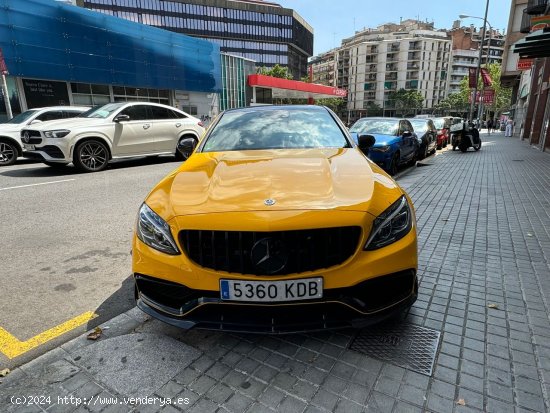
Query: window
[[160, 113], [50, 115], [136, 112]]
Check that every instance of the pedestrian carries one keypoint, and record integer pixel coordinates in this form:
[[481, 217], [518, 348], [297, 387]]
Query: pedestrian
[[489, 126], [509, 124]]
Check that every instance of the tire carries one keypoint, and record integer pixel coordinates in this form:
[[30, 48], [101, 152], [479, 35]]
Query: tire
[[445, 143], [463, 148], [91, 156], [413, 160], [8, 153], [477, 147], [184, 156], [393, 165], [55, 165]]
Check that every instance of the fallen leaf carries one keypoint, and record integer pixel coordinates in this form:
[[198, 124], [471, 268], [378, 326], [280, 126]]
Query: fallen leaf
[[4, 373], [461, 402], [94, 335], [493, 306]]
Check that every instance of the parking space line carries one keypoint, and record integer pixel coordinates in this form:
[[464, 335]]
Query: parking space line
[[40, 183], [12, 347]]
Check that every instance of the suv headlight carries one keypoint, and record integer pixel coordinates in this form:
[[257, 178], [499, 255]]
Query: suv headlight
[[391, 225], [154, 231], [60, 133]]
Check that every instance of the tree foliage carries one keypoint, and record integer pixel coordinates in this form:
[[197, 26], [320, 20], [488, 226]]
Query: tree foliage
[[335, 104], [275, 71], [406, 101]]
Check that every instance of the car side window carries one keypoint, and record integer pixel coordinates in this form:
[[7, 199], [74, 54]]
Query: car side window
[[70, 113], [177, 115], [159, 113], [401, 128], [136, 112], [51, 115], [408, 126]]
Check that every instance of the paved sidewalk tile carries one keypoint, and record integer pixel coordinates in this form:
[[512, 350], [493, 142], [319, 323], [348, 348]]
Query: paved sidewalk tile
[[484, 243]]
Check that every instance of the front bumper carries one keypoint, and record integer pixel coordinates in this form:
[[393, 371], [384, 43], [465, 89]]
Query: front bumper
[[382, 159], [357, 306]]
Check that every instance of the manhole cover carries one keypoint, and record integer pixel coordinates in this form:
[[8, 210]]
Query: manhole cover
[[406, 345]]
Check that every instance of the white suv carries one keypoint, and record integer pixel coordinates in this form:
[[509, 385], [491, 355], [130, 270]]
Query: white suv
[[10, 142], [112, 131]]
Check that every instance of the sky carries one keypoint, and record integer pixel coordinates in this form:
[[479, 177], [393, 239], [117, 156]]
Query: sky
[[334, 20]]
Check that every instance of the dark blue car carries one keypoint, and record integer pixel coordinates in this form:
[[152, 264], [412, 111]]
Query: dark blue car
[[396, 142]]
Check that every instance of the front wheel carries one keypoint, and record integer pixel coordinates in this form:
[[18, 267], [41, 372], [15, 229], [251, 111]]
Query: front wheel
[[91, 156], [8, 153], [477, 146]]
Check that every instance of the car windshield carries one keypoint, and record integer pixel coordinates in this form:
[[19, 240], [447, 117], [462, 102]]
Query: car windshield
[[439, 123], [419, 125], [22, 117], [102, 112], [379, 126], [276, 128]]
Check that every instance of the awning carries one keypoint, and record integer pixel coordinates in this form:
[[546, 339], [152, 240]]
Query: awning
[[536, 44], [294, 89]]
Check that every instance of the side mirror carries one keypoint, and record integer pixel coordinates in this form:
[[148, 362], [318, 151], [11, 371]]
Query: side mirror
[[121, 118], [35, 121], [186, 146], [365, 142]]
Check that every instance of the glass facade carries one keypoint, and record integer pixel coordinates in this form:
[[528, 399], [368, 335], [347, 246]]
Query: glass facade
[[44, 39], [269, 35], [235, 93]]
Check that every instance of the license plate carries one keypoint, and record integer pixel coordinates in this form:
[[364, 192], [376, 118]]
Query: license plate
[[271, 291], [28, 147]]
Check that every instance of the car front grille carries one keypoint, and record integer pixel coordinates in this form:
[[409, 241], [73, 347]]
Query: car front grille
[[270, 253], [34, 136]]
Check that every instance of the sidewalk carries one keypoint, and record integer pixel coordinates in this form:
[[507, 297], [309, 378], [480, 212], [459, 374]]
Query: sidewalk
[[484, 242]]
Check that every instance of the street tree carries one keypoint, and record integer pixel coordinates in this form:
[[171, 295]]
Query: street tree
[[406, 101], [275, 71]]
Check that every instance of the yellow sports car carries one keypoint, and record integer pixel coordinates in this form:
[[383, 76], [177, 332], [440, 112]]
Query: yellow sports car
[[276, 223]]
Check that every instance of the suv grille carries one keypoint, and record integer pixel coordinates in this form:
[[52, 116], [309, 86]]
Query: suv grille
[[34, 136], [270, 253]]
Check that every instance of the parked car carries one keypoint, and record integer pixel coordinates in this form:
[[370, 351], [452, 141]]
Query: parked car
[[427, 136], [276, 223], [443, 126], [396, 142], [112, 131], [10, 141]]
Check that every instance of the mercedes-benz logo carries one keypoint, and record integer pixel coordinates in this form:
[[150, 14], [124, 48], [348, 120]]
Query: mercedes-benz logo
[[269, 202], [26, 137], [269, 255]]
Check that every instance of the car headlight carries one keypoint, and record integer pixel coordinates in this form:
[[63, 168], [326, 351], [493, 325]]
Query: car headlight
[[384, 148], [391, 225], [60, 133], [154, 231]]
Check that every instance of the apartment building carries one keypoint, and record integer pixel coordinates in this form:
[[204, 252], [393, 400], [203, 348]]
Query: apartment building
[[375, 62]]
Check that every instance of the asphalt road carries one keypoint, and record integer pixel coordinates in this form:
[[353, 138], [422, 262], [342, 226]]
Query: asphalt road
[[65, 243]]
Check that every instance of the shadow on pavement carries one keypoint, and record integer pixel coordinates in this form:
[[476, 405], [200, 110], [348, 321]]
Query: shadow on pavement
[[119, 302]]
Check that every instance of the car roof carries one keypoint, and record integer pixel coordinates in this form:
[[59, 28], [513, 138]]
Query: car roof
[[61, 108], [380, 118], [278, 107]]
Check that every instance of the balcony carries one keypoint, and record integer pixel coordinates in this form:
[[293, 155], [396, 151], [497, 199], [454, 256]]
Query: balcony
[[525, 26], [391, 67], [413, 56], [391, 76], [412, 66], [535, 7], [371, 59]]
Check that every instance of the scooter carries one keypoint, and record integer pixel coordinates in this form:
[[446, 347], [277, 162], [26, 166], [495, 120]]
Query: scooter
[[465, 135]]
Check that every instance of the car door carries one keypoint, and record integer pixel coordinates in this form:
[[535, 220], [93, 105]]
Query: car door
[[166, 128], [407, 140], [133, 136]]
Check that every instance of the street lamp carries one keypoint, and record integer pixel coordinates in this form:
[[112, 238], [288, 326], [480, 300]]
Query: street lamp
[[478, 68]]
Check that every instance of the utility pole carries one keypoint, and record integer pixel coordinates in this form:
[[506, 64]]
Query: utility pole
[[478, 68]]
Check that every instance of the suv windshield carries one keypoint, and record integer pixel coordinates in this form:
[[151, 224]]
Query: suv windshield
[[379, 126], [22, 117], [419, 125], [102, 112], [276, 128]]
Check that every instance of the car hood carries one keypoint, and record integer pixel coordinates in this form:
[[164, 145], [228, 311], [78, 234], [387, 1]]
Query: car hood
[[66, 123], [304, 179], [381, 140]]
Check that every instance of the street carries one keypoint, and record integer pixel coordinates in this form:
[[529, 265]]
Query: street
[[66, 245], [484, 246]]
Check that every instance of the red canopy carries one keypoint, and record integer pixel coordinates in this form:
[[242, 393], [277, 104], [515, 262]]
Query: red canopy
[[284, 88]]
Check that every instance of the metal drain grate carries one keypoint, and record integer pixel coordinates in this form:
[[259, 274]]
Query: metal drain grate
[[406, 345]]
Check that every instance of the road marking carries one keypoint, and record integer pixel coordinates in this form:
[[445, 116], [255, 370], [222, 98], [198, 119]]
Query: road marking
[[41, 183], [11, 347]]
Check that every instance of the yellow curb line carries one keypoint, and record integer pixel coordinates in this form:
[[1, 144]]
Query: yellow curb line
[[11, 347]]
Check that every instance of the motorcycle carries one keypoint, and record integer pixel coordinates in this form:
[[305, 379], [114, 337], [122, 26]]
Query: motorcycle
[[465, 135]]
